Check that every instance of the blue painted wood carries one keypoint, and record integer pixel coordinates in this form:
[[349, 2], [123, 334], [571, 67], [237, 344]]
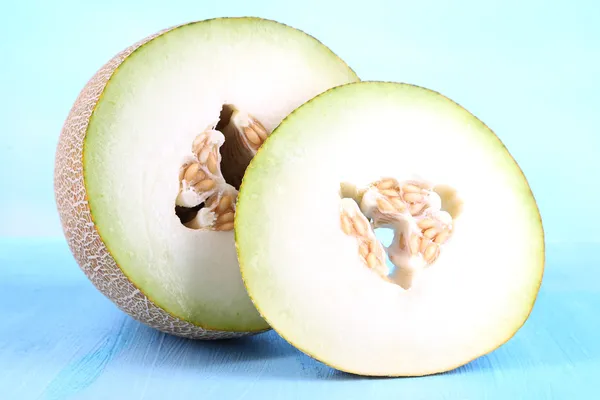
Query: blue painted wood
[[61, 339]]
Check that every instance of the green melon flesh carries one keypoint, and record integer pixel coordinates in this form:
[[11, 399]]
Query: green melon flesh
[[161, 97], [305, 276]]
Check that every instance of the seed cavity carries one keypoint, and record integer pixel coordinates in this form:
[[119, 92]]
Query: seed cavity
[[413, 209], [209, 179]]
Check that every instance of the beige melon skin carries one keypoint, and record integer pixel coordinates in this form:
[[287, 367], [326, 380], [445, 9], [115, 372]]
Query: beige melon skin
[[84, 240], [79, 229]]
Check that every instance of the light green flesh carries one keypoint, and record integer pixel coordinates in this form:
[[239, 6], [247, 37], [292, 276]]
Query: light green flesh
[[304, 274], [163, 95]]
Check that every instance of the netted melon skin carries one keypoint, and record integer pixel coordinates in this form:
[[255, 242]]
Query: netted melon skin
[[79, 229]]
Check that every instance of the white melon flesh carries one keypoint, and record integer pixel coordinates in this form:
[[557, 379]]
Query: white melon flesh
[[304, 275], [126, 139]]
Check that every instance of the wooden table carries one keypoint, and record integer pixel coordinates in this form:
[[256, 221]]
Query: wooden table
[[61, 339]]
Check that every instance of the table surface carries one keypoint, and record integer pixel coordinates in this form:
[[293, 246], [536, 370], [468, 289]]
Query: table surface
[[61, 339]]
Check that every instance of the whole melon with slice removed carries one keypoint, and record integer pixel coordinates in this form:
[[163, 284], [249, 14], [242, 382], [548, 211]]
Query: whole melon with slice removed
[[456, 279], [152, 154]]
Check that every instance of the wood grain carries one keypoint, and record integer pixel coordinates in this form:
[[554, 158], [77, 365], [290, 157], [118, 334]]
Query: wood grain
[[61, 339]]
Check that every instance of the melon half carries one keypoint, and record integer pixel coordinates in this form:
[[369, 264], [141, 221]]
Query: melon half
[[150, 159], [386, 231]]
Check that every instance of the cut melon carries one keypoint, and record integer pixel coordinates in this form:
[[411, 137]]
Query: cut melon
[[465, 257], [150, 156]]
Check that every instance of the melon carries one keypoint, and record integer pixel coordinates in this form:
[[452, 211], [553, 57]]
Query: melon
[[151, 156], [386, 231]]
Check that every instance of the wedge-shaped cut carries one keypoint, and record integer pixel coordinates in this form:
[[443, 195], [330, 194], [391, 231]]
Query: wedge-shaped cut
[[151, 156], [467, 254]]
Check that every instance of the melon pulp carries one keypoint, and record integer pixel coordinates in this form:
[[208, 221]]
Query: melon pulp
[[121, 152], [306, 275]]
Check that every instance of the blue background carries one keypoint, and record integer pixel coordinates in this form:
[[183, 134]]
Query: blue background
[[528, 69]]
